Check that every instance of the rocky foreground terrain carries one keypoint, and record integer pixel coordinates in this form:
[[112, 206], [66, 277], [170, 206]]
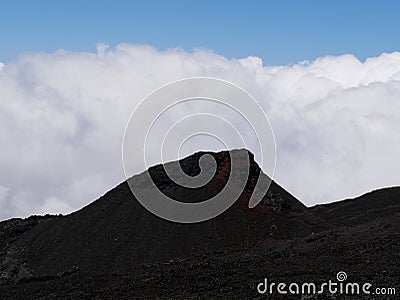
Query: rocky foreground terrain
[[115, 248]]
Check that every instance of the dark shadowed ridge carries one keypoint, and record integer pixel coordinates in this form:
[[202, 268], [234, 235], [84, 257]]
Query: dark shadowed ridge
[[375, 205]]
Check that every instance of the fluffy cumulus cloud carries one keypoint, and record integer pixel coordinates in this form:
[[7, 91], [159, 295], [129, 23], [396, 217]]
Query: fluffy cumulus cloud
[[63, 114]]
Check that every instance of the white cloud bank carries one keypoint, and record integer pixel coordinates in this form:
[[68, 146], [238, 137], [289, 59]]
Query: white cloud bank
[[62, 116]]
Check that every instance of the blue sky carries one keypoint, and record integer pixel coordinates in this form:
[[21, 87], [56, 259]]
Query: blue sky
[[280, 32]]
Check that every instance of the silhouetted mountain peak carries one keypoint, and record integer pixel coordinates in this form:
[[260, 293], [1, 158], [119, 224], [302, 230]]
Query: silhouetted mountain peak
[[115, 232]]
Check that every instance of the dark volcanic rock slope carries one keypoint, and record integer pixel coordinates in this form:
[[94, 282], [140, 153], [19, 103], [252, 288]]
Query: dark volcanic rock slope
[[115, 233], [367, 250], [125, 252]]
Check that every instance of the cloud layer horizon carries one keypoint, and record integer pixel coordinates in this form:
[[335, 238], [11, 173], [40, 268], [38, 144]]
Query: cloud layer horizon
[[63, 115]]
